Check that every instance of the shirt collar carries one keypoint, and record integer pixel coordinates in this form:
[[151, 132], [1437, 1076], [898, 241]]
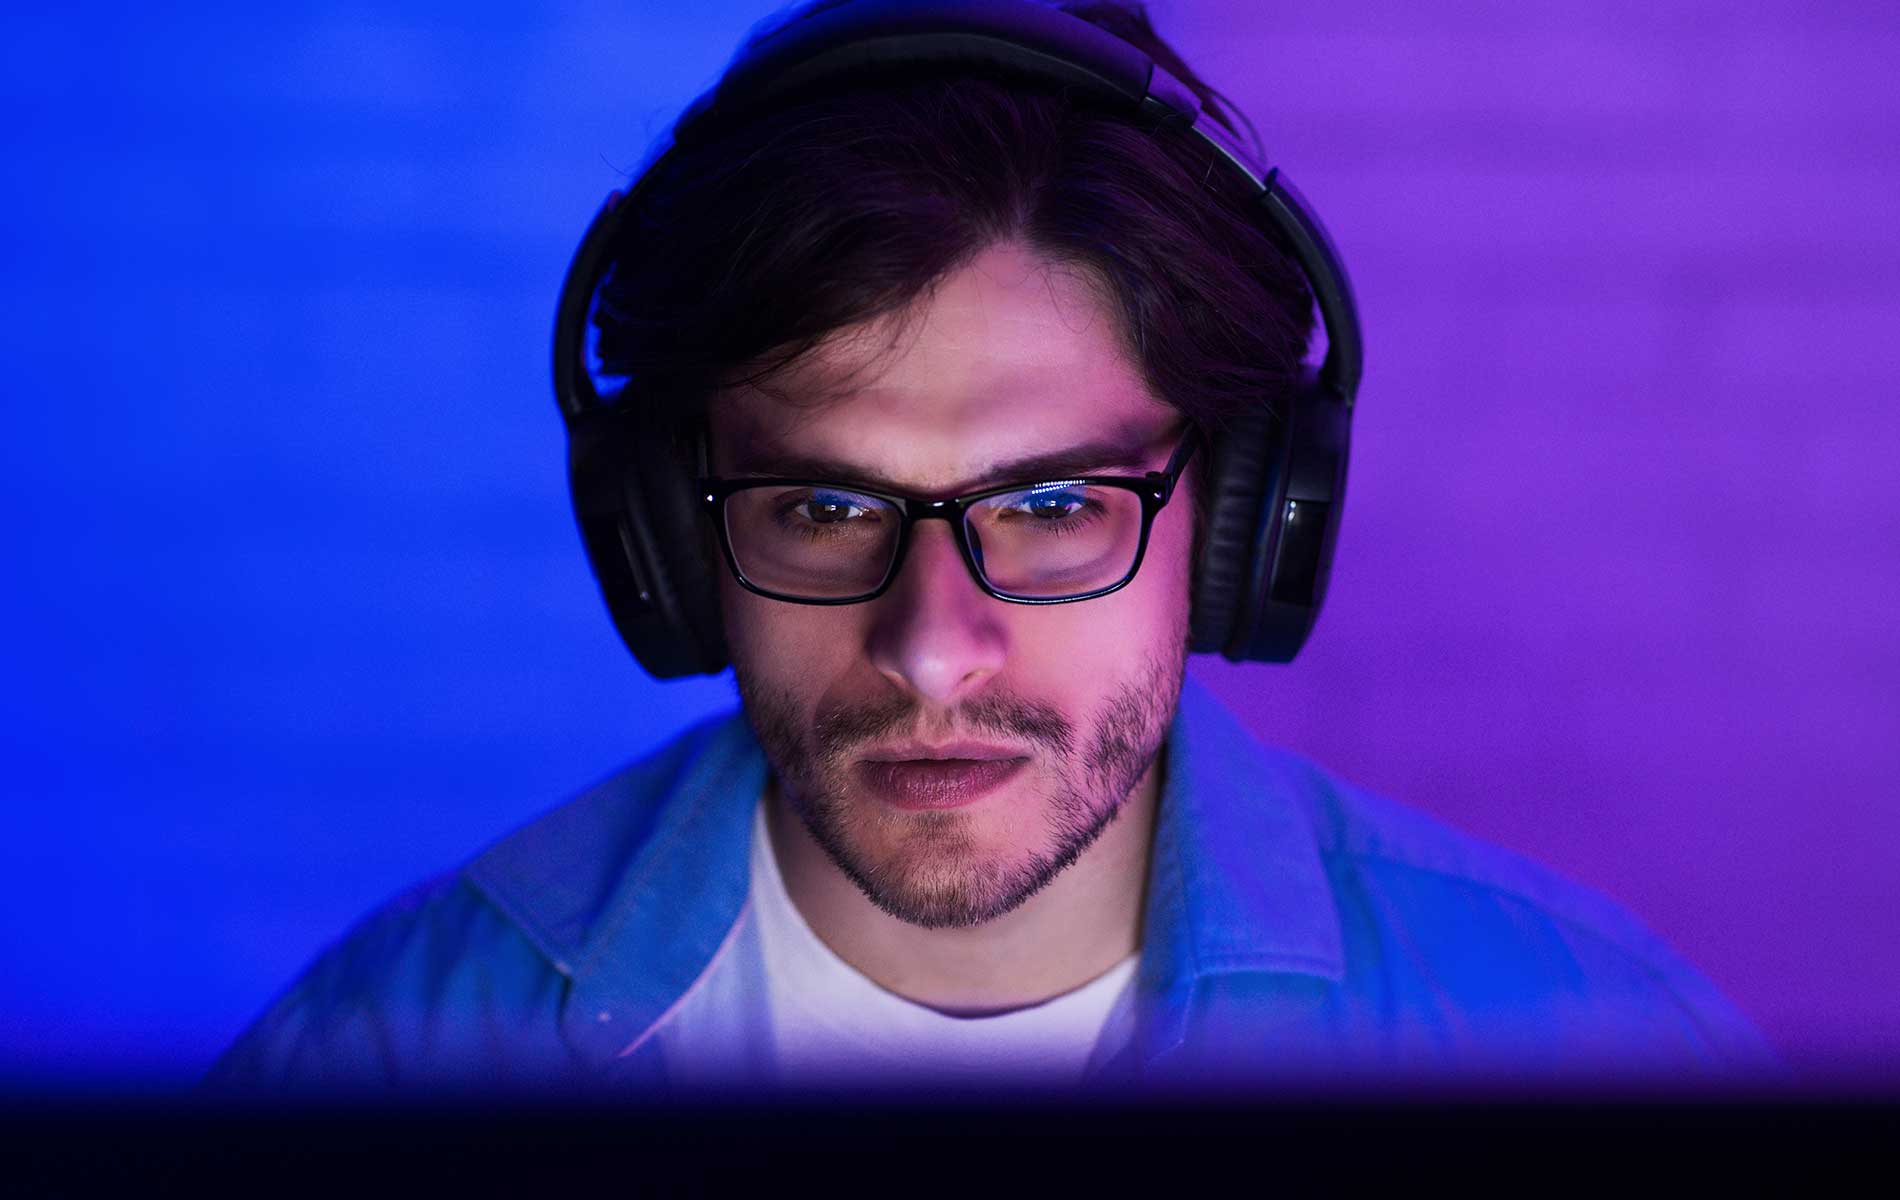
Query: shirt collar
[[1236, 881], [631, 888]]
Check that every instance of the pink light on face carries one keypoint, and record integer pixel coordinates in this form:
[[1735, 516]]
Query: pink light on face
[[1011, 357]]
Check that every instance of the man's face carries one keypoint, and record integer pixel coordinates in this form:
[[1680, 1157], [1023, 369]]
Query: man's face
[[1051, 713]]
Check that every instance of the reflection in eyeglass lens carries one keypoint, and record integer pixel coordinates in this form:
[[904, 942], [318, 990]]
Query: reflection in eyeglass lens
[[816, 542], [1054, 539], [1044, 540]]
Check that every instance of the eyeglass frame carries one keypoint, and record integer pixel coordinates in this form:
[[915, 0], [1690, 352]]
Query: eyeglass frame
[[1154, 489]]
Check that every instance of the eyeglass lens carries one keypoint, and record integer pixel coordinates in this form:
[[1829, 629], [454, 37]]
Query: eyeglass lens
[[1045, 541]]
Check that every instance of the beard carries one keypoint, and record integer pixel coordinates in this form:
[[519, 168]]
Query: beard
[[931, 869]]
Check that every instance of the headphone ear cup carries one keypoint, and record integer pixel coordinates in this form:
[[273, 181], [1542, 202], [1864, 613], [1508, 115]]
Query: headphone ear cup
[[634, 502], [1248, 459], [670, 510], [1279, 498]]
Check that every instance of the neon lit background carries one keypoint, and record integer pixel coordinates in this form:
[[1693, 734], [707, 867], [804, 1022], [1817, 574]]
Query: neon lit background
[[295, 613]]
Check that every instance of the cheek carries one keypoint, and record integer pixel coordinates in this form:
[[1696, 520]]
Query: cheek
[[796, 647], [1171, 547], [1162, 589], [1097, 642], [751, 622]]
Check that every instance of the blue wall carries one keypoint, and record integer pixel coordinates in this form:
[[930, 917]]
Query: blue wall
[[295, 613]]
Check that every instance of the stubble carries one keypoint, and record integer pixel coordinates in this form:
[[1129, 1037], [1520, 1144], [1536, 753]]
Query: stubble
[[939, 875]]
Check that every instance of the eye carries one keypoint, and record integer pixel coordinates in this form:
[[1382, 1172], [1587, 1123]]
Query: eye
[[1049, 502], [830, 512], [824, 506]]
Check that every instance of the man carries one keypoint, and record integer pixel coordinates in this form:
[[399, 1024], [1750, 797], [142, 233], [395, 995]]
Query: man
[[955, 358]]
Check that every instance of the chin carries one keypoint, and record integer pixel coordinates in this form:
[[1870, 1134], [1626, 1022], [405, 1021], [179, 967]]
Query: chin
[[959, 867]]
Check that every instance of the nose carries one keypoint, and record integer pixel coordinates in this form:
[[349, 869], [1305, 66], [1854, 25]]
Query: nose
[[935, 631]]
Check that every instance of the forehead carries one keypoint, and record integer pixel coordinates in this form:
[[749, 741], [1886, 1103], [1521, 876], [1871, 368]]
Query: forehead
[[1006, 357]]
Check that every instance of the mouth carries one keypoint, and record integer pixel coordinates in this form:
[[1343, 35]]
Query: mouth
[[932, 782], [965, 751]]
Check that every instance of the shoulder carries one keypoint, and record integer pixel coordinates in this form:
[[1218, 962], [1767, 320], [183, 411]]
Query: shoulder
[[1446, 928], [462, 976], [382, 1003], [1409, 855], [556, 875]]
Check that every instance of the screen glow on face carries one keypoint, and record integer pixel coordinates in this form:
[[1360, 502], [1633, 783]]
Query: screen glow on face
[[1055, 538], [1010, 411], [1051, 538]]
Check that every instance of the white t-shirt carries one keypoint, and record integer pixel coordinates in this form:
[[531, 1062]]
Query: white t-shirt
[[778, 1006]]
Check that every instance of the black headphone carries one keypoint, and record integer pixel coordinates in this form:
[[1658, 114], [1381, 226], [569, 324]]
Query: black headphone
[[1277, 482]]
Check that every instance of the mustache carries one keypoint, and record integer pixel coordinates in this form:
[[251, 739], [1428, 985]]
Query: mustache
[[836, 730]]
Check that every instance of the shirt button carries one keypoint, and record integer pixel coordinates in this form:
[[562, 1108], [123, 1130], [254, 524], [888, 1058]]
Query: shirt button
[[603, 1016]]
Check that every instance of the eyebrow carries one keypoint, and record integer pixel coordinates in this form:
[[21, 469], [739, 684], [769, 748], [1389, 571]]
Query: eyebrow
[[1085, 458]]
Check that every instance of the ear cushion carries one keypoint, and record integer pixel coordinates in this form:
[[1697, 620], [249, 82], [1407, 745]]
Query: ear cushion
[[1304, 505], [663, 510], [632, 494], [1248, 463]]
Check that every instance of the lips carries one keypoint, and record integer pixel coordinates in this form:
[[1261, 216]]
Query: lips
[[917, 751], [936, 783]]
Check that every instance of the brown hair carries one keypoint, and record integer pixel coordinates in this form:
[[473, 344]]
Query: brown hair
[[747, 250]]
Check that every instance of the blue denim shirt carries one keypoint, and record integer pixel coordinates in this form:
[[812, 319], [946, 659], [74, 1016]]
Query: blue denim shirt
[[1298, 932]]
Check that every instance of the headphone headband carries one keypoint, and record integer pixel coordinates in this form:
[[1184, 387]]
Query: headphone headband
[[856, 37], [1263, 602], [863, 39]]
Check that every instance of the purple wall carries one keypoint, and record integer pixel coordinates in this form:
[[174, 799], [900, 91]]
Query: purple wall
[[1618, 582], [299, 614]]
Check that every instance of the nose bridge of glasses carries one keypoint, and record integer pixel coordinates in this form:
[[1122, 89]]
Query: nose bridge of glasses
[[1017, 543], [951, 512], [927, 510]]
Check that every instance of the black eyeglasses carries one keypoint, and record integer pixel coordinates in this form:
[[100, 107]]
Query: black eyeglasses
[[812, 541]]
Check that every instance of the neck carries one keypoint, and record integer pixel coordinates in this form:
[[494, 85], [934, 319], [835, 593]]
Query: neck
[[1084, 922]]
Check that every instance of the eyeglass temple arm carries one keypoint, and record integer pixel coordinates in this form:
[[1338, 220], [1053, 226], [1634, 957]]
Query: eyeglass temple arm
[[1177, 462]]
